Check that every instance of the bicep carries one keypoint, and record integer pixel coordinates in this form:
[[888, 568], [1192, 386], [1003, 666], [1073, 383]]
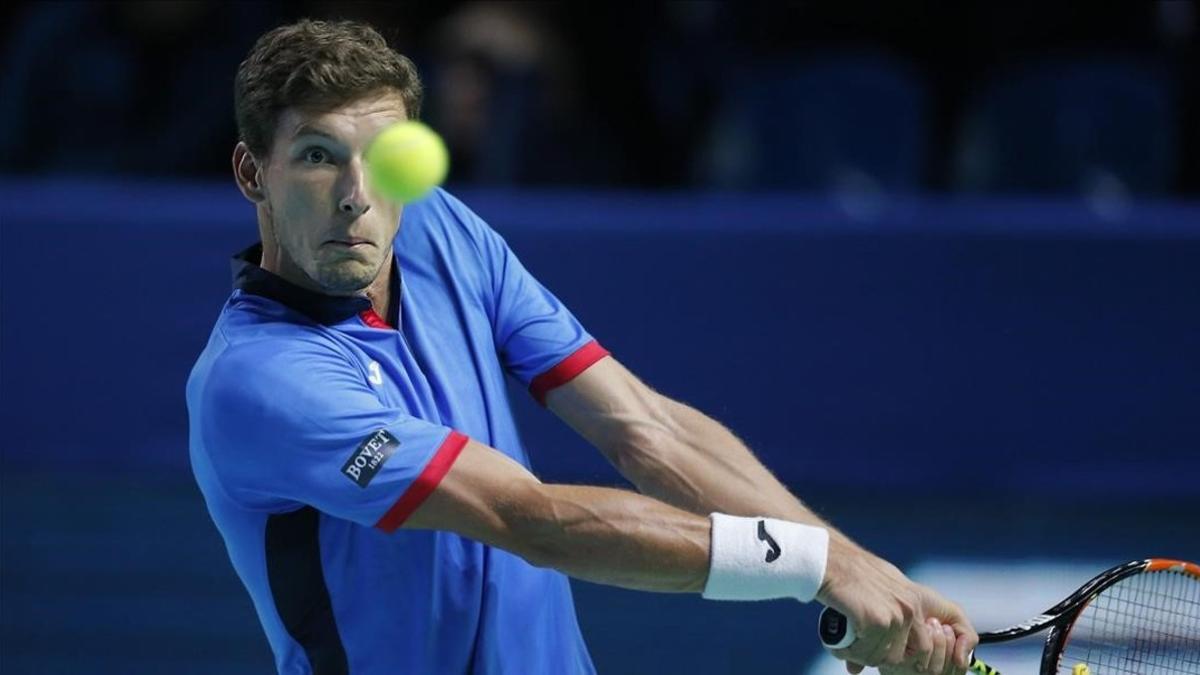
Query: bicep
[[484, 496]]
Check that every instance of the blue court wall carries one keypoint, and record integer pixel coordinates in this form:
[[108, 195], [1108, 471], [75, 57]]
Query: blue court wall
[[1024, 346], [975, 385]]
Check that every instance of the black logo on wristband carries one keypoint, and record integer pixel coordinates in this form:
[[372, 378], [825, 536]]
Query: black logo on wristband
[[773, 554]]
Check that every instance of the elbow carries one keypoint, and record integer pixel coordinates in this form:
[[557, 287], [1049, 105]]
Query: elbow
[[641, 435], [651, 430], [645, 448]]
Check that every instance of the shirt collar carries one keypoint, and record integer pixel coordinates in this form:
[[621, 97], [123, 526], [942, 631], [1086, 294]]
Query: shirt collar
[[324, 309]]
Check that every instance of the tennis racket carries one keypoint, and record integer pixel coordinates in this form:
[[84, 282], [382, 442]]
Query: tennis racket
[[1141, 618]]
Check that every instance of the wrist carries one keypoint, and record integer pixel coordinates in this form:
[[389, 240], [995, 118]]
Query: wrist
[[843, 555], [765, 558]]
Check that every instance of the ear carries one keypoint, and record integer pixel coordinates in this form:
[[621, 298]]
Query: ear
[[248, 173]]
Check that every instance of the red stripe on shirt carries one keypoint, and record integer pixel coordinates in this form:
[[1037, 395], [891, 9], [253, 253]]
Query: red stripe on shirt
[[424, 485], [566, 370], [372, 319]]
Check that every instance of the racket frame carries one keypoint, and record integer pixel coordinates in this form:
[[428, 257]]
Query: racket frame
[[1059, 618]]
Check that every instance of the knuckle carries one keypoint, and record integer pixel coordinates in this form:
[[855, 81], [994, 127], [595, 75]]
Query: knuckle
[[926, 641], [881, 620]]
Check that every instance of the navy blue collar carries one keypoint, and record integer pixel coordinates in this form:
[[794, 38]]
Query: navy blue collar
[[325, 309]]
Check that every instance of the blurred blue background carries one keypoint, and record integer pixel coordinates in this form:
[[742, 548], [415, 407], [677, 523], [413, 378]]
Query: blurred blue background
[[937, 265]]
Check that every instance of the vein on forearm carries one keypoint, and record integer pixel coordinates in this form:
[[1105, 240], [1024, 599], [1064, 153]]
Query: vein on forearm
[[616, 537]]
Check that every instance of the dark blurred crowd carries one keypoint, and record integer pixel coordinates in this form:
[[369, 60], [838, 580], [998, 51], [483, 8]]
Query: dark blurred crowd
[[981, 97]]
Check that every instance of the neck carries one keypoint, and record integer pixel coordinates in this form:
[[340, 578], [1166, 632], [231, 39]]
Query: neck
[[379, 291]]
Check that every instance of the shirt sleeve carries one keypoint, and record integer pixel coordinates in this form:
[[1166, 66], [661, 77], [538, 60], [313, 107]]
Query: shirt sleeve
[[300, 425], [537, 338]]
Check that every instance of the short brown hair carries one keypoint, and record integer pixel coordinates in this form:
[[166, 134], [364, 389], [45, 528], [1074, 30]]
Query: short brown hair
[[316, 64]]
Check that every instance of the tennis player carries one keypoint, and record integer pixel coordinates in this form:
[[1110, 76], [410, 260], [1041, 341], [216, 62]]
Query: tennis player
[[353, 442]]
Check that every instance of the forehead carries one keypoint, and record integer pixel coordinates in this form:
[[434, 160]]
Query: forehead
[[356, 121]]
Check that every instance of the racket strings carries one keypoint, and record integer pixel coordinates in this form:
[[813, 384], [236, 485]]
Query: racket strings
[[1146, 624]]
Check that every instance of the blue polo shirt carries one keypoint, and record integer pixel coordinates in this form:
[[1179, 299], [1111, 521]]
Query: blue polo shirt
[[317, 427]]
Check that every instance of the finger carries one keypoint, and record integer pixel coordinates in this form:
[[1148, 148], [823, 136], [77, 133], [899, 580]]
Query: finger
[[965, 643], [967, 638], [920, 642], [851, 655], [944, 662], [962, 653], [898, 641], [879, 654], [865, 649], [937, 640]]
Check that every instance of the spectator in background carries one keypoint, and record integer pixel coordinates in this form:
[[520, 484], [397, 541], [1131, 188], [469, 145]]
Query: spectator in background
[[506, 96], [135, 87]]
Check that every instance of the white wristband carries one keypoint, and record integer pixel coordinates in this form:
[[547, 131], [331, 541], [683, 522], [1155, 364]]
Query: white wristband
[[764, 558]]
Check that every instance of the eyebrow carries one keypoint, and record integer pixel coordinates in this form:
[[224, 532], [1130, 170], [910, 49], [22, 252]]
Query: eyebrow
[[306, 130]]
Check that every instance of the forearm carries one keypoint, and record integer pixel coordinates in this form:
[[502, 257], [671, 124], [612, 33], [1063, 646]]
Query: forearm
[[680, 456], [673, 452], [700, 466], [622, 538], [695, 463], [613, 537]]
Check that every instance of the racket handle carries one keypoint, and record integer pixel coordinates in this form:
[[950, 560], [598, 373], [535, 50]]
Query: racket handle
[[835, 629], [837, 632]]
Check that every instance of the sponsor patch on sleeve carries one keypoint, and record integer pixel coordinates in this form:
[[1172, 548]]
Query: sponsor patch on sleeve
[[369, 457]]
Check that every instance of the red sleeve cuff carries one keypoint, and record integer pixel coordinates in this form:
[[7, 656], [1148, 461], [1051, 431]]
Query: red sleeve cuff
[[566, 370], [425, 484]]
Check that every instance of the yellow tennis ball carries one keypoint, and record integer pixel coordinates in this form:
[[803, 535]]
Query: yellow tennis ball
[[406, 160], [1081, 669]]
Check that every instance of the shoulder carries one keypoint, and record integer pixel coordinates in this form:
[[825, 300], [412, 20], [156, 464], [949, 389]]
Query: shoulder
[[444, 207], [455, 234], [443, 212], [271, 369]]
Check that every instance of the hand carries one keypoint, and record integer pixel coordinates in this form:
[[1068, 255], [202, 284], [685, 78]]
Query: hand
[[889, 613], [885, 607], [941, 658], [949, 615]]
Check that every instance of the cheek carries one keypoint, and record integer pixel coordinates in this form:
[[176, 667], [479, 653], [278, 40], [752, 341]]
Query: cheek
[[300, 208], [387, 221], [391, 217]]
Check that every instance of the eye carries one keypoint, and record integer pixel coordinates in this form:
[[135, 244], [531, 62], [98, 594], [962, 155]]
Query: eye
[[316, 156]]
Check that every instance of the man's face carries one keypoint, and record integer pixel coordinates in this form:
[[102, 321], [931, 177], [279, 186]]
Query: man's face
[[323, 213]]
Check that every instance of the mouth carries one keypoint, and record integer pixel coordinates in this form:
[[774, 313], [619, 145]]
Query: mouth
[[349, 242]]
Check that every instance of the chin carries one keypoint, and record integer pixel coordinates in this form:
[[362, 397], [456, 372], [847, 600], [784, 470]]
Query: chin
[[346, 276]]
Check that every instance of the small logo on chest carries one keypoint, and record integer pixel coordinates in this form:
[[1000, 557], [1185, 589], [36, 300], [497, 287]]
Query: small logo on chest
[[374, 376]]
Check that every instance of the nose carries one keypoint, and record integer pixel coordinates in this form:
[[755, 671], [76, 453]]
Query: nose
[[353, 190]]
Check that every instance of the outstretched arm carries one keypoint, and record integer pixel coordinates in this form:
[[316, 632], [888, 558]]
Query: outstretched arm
[[626, 539], [608, 536], [685, 458], [669, 450]]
